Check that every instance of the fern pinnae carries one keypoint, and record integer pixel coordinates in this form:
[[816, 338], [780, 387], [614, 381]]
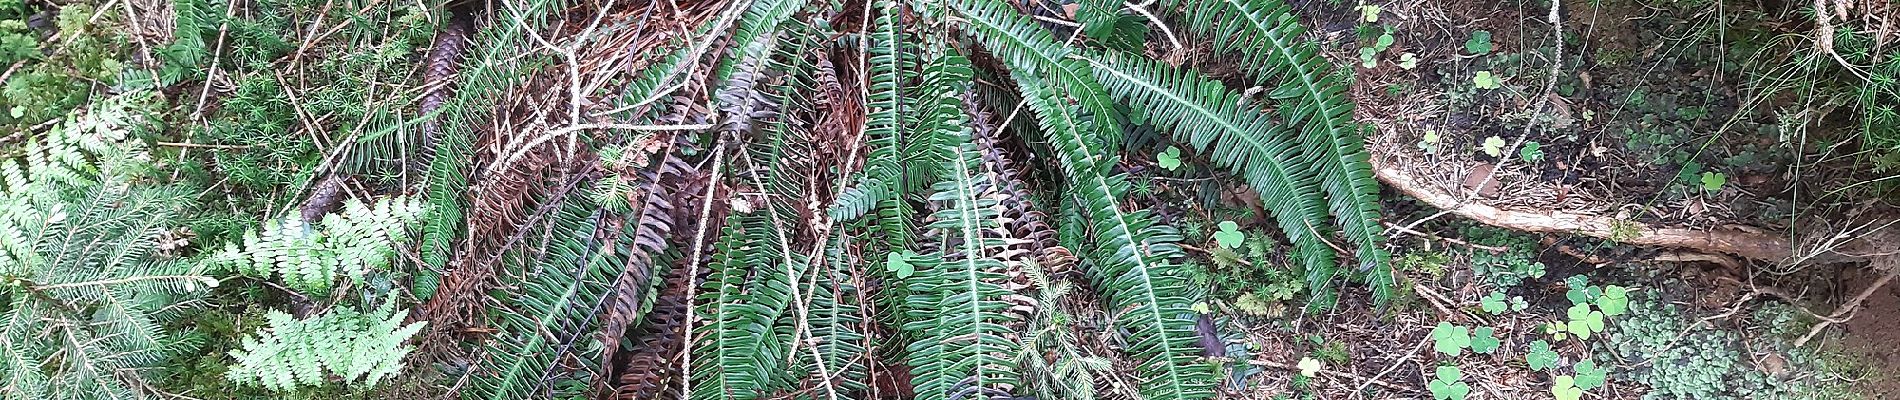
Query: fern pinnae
[[1266, 37], [1030, 49], [1130, 257], [1211, 119], [963, 336]]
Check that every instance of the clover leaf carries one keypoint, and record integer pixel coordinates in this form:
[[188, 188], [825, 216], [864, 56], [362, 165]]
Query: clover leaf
[[1589, 376], [1169, 159], [1494, 146], [1713, 181], [1309, 366], [899, 263], [1484, 340], [1484, 80], [1479, 43], [1494, 303], [1229, 235], [1450, 339], [1541, 357], [1564, 388], [1615, 300], [1408, 60], [1448, 386]]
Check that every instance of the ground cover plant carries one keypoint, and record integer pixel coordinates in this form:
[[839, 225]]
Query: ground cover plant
[[957, 199]]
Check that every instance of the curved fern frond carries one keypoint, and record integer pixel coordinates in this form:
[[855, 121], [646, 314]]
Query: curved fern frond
[[311, 258], [887, 116], [962, 323], [733, 357], [1266, 37], [555, 306], [1031, 50], [1130, 255], [295, 353], [1211, 118]]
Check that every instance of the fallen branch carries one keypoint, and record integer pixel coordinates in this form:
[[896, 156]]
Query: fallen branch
[[1759, 246]]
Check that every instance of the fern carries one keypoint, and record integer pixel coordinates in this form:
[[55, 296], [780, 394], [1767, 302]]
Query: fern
[[1130, 254], [886, 119], [542, 319], [962, 323], [1030, 50], [1265, 37], [299, 353], [310, 259], [1212, 119], [736, 355]]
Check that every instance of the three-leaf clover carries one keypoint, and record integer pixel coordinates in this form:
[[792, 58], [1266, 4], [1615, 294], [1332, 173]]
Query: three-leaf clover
[[1229, 235], [1615, 300], [1429, 143], [1479, 43], [1713, 181], [1531, 152], [1485, 80], [1564, 388], [1493, 146], [1408, 60], [1309, 366], [1450, 339], [1584, 321], [1201, 308], [1449, 385], [1541, 357], [900, 263], [1589, 376], [1369, 13], [1169, 159], [1484, 340], [1494, 303]]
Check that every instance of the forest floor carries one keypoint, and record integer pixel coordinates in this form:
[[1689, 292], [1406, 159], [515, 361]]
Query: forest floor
[[1666, 115]]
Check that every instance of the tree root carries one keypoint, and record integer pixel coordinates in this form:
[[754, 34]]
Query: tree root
[[1745, 244]]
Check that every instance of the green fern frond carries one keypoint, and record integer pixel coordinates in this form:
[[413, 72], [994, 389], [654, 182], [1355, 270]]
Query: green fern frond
[[962, 323], [736, 355], [1130, 255], [1029, 49], [544, 318], [835, 317], [1266, 37], [1202, 113], [887, 116], [296, 353], [310, 258]]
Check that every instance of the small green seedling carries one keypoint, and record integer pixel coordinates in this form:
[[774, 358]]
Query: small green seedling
[[1531, 152], [1450, 339], [1479, 43], [1484, 340], [1713, 181], [1541, 357], [1564, 388], [1369, 56], [1201, 308], [1229, 235], [1369, 13], [1408, 60], [1169, 159], [1493, 146], [1429, 143], [1449, 385], [1309, 367], [1484, 80], [1589, 376], [899, 263]]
